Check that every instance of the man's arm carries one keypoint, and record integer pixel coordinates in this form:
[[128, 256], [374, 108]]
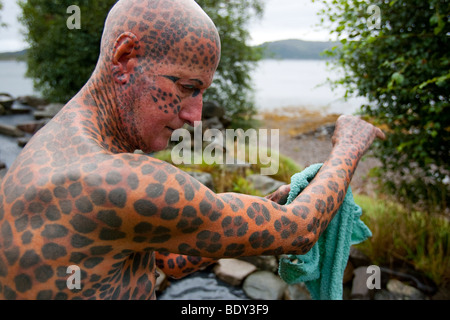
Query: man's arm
[[164, 209]]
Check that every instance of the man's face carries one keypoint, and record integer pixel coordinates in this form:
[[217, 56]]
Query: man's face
[[165, 101]]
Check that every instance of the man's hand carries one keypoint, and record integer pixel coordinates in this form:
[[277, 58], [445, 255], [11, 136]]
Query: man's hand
[[280, 196], [356, 133]]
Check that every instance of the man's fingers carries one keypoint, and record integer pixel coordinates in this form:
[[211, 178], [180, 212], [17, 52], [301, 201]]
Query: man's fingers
[[380, 134]]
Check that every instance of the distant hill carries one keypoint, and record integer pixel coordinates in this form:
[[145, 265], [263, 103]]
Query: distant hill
[[17, 55], [295, 49]]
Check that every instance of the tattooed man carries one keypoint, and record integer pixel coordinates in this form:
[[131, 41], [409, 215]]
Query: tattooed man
[[78, 195]]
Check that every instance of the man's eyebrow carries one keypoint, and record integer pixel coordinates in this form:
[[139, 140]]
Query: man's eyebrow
[[172, 78]]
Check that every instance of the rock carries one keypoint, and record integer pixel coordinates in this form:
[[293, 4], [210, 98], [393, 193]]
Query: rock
[[212, 123], [31, 127], [412, 277], [233, 271], [6, 100], [403, 291], [48, 112], [11, 131], [358, 259], [348, 273], [267, 263], [22, 142], [2, 110], [212, 109], [297, 292], [264, 184], [32, 101], [161, 281], [264, 285], [204, 178], [360, 291], [3, 173]]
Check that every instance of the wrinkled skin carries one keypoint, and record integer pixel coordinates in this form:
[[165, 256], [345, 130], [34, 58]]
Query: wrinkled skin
[[79, 195]]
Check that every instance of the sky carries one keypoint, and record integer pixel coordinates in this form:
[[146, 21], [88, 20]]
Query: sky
[[283, 19]]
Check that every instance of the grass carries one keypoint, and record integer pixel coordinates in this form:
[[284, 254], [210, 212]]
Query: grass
[[413, 237]]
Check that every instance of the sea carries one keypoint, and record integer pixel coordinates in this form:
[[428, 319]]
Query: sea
[[277, 84]]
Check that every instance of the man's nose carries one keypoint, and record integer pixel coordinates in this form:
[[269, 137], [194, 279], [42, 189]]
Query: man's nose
[[191, 110]]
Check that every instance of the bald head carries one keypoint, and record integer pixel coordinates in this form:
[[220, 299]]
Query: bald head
[[164, 31]]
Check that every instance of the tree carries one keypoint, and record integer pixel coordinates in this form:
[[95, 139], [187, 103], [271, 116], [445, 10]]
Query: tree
[[396, 54], [61, 61]]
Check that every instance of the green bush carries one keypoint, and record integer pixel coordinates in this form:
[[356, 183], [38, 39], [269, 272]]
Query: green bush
[[60, 60], [403, 69]]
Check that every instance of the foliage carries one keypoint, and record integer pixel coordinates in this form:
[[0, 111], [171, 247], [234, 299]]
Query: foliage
[[232, 87], [420, 240], [402, 68], [61, 60]]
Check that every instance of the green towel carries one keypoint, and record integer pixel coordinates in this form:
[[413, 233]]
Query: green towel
[[322, 268]]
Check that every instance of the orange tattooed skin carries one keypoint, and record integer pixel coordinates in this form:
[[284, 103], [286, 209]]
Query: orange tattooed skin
[[79, 195]]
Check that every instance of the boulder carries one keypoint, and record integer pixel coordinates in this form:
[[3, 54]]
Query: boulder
[[212, 109], [32, 101], [49, 111], [403, 291], [204, 178], [267, 263], [360, 290], [264, 184], [31, 127], [264, 285], [6, 100], [11, 131], [233, 271], [297, 292]]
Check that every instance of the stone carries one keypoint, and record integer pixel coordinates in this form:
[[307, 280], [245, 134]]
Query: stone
[[360, 291], [213, 123], [204, 178], [348, 273], [404, 291], [212, 109], [358, 258], [6, 100], [32, 101], [233, 271], [162, 281], [31, 127], [48, 111], [22, 142], [264, 184], [264, 285], [297, 292], [11, 131], [267, 263]]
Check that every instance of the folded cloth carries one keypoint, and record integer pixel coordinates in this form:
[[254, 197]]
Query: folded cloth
[[322, 268]]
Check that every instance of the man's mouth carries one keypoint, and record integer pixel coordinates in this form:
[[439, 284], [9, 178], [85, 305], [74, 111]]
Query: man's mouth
[[171, 129]]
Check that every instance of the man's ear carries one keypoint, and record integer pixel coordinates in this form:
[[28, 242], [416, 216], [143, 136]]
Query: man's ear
[[123, 54]]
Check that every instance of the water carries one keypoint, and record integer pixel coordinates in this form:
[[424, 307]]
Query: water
[[13, 80], [277, 83], [300, 83]]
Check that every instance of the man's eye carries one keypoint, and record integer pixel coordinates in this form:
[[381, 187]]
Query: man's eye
[[188, 86]]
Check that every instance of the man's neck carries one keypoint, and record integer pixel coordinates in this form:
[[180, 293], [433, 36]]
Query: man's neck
[[100, 97]]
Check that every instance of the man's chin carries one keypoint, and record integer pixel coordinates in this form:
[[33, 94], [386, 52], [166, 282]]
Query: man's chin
[[155, 147]]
